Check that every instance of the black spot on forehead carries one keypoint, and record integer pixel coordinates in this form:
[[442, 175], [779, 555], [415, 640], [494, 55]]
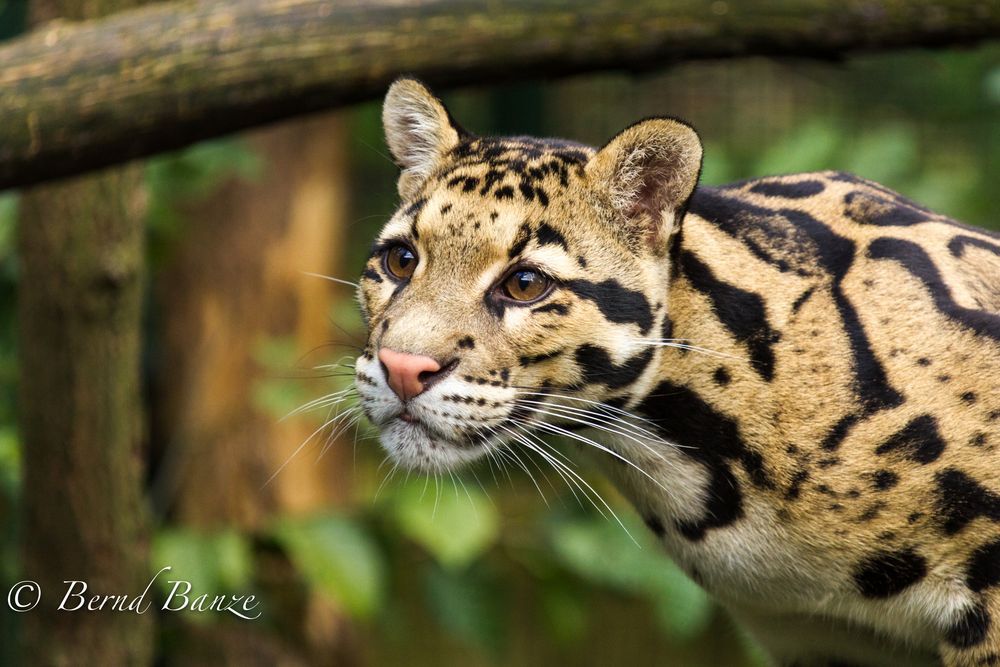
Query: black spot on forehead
[[546, 234], [504, 192], [918, 441], [520, 240], [889, 573], [596, 366]]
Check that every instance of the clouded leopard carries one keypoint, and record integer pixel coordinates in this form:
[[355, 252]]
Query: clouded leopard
[[795, 379]]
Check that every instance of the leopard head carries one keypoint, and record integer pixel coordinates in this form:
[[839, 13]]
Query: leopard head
[[520, 287]]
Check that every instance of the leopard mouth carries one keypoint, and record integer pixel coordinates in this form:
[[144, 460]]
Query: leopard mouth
[[415, 444]]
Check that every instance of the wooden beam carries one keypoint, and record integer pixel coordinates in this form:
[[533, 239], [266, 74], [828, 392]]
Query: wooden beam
[[79, 96]]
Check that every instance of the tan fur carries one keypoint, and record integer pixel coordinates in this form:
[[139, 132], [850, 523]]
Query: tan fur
[[846, 387]]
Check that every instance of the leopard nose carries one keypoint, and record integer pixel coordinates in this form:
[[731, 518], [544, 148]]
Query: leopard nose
[[411, 374]]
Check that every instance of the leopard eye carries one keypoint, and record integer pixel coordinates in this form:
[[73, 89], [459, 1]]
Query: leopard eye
[[400, 261], [526, 285]]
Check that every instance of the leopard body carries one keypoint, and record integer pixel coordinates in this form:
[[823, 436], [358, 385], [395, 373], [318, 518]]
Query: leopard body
[[795, 380]]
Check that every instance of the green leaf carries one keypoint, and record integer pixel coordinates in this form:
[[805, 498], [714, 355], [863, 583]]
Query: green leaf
[[456, 525], [566, 609], [470, 605], [601, 552], [213, 563], [10, 459], [337, 556]]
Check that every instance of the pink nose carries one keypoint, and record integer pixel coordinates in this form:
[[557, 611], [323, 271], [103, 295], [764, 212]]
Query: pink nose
[[409, 374]]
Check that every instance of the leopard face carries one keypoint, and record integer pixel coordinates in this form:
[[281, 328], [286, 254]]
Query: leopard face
[[525, 269]]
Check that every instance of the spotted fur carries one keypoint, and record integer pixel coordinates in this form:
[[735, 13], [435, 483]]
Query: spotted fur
[[820, 358]]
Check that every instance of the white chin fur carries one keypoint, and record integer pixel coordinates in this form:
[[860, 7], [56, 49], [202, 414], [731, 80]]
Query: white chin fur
[[412, 447]]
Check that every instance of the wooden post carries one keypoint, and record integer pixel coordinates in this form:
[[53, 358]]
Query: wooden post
[[80, 247]]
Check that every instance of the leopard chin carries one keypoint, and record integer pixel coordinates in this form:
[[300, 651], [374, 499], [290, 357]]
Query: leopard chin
[[415, 446]]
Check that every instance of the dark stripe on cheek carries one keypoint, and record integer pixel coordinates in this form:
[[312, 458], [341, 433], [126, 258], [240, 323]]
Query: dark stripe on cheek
[[616, 303], [537, 358], [372, 274], [554, 308], [596, 366], [802, 298]]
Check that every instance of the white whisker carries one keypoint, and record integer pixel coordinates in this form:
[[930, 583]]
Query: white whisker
[[330, 278]]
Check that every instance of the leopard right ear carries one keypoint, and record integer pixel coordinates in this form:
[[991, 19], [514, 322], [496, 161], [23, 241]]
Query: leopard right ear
[[646, 175], [418, 130]]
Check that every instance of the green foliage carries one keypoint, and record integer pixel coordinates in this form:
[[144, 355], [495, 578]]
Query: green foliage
[[213, 563], [456, 525], [470, 604], [599, 551], [565, 604], [338, 557]]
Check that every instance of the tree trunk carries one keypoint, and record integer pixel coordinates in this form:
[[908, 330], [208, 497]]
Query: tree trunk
[[77, 97], [81, 251], [232, 287]]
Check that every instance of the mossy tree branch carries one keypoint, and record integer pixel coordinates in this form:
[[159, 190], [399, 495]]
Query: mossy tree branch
[[78, 96]]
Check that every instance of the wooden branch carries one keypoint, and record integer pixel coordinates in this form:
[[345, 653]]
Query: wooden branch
[[80, 96]]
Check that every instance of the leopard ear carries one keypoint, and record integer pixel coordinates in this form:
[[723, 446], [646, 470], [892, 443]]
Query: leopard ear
[[418, 130], [646, 175]]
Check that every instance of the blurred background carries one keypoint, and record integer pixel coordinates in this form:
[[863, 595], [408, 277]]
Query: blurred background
[[356, 565]]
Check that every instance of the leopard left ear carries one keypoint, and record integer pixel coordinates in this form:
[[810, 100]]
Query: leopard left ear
[[646, 175], [418, 130]]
